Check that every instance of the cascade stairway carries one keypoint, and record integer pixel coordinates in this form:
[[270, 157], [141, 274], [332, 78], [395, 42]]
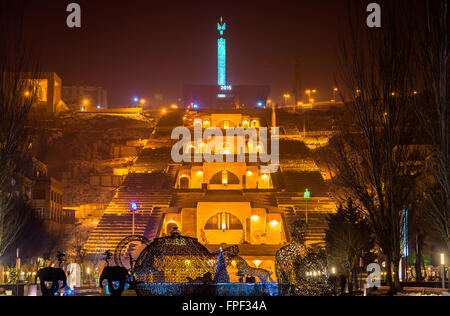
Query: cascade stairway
[[116, 223]]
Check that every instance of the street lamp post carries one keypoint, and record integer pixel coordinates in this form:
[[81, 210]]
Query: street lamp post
[[307, 196], [335, 90], [286, 99], [133, 209], [443, 270], [310, 93]]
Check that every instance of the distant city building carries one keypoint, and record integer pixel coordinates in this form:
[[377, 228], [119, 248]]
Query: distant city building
[[85, 97], [49, 92], [47, 197]]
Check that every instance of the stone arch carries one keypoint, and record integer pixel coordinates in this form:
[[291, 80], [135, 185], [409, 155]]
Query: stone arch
[[170, 227], [184, 182], [219, 177], [231, 222], [226, 124]]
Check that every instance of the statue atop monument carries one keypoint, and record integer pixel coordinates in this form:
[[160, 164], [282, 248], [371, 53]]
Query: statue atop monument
[[221, 26]]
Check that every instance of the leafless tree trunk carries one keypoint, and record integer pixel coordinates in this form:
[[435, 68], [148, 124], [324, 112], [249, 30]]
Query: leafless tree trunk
[[16, 99], [371, 153], [433, 110]]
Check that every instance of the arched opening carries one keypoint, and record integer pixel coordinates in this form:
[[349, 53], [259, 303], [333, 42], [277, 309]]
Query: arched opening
[[184, 183], [170, 227], [223, 221], [226, 124], [224, 177]]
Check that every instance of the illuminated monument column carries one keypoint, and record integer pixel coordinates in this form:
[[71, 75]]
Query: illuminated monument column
[[221, 54]]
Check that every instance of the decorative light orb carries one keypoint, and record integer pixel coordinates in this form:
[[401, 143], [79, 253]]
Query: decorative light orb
[[307, 194], [133, 206]]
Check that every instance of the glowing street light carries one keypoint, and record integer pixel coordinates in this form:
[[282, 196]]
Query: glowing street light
[[307, 196], [286, 97], [309, 93], [335, 91], [133, 209]]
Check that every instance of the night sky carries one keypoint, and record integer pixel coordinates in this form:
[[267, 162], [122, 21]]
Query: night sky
[[144, 47]]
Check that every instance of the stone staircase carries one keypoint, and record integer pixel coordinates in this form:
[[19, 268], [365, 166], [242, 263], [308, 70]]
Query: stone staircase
[[117, 219], [317, 225]]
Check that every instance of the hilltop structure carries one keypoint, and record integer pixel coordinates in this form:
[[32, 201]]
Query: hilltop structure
[[221, 204], [224, 95]]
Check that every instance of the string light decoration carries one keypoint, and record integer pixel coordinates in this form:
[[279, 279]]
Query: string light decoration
[[301, 271], [173, 259], [221, 275]]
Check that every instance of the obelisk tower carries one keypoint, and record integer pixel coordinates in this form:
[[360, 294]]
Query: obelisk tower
[[221, 54], [274, 116]]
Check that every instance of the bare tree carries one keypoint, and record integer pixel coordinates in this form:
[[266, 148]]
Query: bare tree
[[370, 155], [16, 99], [348, 238], [432, 107]]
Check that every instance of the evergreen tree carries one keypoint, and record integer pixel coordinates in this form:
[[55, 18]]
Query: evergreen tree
[[221, 270]]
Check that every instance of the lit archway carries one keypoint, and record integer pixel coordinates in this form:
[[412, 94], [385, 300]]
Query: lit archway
[[223, 221], [224, 177], [184, 182]]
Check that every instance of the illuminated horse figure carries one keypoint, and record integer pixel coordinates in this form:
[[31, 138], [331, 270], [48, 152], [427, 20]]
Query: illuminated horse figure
[[244, 270], [287, 257]]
